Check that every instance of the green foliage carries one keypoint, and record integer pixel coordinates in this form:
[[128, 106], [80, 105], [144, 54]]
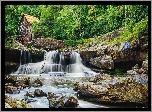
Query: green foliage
[[146, 56], [118, 72], [79, 22], [70, 42], [133, 32], [98, 42]]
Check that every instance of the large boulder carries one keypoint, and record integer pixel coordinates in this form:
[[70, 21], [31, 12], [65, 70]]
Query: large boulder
[[47, 43], [11, 102], [126, 92], [39, 93], [7, 105], [10, 79], [37, 83], [61, 101], [145, 64], [87, 55], [124, 52], [139, 74], [71, 102], [104, 62], [11, 89]]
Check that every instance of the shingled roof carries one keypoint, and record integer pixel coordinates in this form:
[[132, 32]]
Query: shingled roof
[[31, 19]]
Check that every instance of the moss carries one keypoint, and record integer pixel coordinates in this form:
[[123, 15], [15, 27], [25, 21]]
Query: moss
[[146, 56], [132, 33]]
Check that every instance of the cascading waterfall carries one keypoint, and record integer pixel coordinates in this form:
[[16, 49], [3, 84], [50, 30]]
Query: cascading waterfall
[[21, 58], [55, 63], [75, 65], [29, 57]]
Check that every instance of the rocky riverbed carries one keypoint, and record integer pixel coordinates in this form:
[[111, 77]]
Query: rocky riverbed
[[99, 91], [123, 91]]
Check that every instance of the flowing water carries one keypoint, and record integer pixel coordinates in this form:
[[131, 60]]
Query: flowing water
[[57, 76], [55, 63]]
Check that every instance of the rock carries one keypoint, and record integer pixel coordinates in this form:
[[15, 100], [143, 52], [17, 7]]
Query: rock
[[139, 74], [125, 45], [19, 85], [30, 94], [131, 72], [145, 64], [61, 101], [48, 43], [26, 81], [29, 106], [37, 83], [17, 103], [104, 62], [136, 67], [67, 54], [39, 93], [7, 105], [87, 55], [10, 79], [125, 52], [11, 90], [71, 102], [99, 78], [120, 93]]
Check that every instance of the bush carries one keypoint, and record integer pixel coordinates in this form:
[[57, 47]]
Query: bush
[[118, 72], [146, 57]]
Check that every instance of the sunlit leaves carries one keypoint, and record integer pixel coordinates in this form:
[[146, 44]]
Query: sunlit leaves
[[77, 22]]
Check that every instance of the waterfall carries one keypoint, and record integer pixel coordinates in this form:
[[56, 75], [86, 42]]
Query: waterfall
[[29, 57], [75, 65], [54, 63], [24, 57], [20, 57]]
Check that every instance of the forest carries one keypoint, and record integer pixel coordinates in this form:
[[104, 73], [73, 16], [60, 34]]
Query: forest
[[75, 23], [76, 56]]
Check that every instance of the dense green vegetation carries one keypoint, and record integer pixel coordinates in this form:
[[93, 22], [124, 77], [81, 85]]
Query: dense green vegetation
[[76, 23], [132, 33]]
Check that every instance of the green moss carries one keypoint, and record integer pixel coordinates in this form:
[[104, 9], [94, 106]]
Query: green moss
[[146, 56], [132, 33]]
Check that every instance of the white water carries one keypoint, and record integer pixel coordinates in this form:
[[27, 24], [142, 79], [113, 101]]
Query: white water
[[54, 62], [54, 67], [42, 102]]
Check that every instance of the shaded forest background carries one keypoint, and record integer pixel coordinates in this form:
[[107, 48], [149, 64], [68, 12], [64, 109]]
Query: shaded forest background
[[76, 23]]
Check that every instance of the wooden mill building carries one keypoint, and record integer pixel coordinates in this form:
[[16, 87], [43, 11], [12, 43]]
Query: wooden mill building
[[25, 26]]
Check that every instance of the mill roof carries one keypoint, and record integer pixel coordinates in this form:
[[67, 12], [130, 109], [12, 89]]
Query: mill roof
[[31, 19]]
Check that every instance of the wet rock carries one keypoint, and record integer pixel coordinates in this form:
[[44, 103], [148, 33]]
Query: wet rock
[[87, 55], [125, 52], [7, 105], [100, 77], [11, 89], [104, 62], [71, 102], [10, 79], [121, 92], [26, 82], [16, 103], [67, 54], [61, 101], [48, 43], [145, 64], [37, 83], [29, 94], [131, 72], [51, 95], [139, 74], [19, 85], [39, 93]]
